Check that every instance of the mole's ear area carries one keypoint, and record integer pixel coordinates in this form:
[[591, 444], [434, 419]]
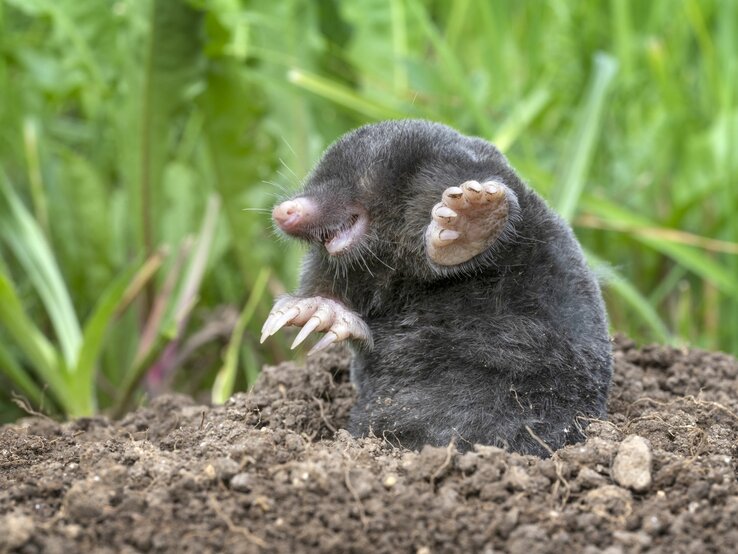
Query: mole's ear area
[[469, 220]]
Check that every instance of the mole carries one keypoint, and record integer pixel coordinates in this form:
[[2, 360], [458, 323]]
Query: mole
[[467, 302]]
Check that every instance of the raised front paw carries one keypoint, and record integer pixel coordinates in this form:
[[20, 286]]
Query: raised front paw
[[467, 221], [316, 314]]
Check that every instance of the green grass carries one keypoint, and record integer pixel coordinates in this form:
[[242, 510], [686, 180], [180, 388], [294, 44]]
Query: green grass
[[134, 133]]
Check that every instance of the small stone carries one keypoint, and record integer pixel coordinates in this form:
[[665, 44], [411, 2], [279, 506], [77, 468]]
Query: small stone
[[242, 482], [226, 468], [390, 481], [632, 465]]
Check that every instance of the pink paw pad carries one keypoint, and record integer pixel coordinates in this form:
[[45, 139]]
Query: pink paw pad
[[467, 221]]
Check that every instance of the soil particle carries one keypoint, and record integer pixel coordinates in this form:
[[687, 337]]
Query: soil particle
[[15, 530], [273, 471], [632, 465]]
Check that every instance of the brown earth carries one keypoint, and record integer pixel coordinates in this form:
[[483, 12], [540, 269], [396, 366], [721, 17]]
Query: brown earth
[[269, 472]]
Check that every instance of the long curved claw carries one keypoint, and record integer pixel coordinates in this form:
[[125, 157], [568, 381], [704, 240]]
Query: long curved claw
[[309, 327], [288, 316], [273, 315], [265, 328], [342, 328], [316, 314], [329, 338]]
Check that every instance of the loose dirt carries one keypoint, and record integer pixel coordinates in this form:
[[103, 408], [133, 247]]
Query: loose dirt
[[272, 471]]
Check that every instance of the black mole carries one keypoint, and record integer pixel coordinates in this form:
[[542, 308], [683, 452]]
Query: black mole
[[467, 301]]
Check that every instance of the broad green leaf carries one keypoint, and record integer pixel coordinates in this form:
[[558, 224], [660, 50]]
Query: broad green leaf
[[173, 64]]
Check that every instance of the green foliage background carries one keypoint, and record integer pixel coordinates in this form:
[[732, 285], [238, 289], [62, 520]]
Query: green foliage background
[[133, 133]]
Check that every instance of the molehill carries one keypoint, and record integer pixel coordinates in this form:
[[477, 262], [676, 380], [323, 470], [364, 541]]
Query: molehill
[[272, 471]]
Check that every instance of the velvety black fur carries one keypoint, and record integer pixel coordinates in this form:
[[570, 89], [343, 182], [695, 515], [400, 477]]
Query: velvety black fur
[[508, 349]]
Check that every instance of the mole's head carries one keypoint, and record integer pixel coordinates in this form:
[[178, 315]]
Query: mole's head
[[374, 188]]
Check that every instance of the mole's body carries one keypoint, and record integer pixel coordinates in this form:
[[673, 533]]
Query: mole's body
[[468, 303]]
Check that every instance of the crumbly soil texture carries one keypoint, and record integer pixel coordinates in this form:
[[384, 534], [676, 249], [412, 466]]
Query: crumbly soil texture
[[273, 471]]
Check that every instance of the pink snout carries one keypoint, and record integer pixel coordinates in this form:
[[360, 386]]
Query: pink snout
[[293, 215]]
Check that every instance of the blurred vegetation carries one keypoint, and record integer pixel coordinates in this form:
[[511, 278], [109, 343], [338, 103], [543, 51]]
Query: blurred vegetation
[[134, 133]]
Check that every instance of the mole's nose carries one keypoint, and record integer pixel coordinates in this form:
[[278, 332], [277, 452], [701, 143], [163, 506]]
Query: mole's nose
[[292, 215]]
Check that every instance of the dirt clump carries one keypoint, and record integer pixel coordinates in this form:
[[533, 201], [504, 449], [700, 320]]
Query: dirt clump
[[273, 471]]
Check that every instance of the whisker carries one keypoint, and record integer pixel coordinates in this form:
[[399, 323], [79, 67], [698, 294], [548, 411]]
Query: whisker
[[380, 260], [361, 256], [288, 168], [283, 175], [281, 187], [288, 144]]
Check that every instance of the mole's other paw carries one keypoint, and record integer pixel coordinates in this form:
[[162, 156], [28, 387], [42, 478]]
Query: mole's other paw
[[467, 221], [316, 314]]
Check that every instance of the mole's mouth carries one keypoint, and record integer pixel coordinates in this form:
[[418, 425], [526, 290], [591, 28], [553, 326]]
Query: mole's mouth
[[337, 241]]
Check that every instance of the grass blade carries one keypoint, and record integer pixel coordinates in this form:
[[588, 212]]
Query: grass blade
[[19, 377], [226, 377], [187, 298], [525, 112], [27, 241], [112, 300], [342, 95], [171, 65], [399, 45], [566, 195], [44, 360], [694, 260], [454, 69], [625, 290]]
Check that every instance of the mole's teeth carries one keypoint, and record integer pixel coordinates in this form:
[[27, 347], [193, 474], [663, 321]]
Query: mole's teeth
[[329, 338], [309, 327], [348, 235]]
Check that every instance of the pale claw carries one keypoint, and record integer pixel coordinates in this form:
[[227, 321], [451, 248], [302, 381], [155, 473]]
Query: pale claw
[[273, 315], [309, 327], [323, 318], [316, 314], [329, 338], [291, 314]]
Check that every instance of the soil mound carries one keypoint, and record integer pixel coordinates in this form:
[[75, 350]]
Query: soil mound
[[272, 471]]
